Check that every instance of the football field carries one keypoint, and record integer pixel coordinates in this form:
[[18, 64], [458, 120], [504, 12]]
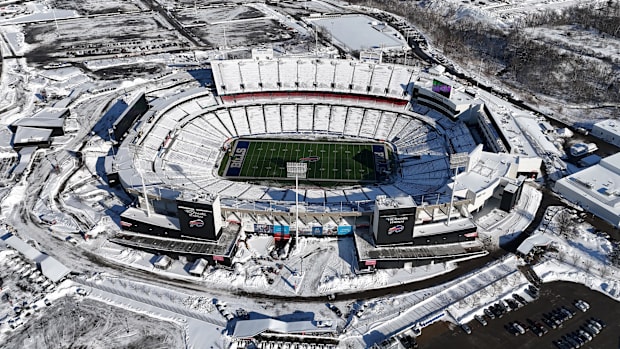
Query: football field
[[327, 161]]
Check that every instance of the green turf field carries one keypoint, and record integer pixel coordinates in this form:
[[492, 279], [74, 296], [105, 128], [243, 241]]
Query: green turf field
[[327, 161]]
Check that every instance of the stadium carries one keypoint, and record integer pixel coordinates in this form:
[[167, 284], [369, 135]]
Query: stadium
[[381, 144]]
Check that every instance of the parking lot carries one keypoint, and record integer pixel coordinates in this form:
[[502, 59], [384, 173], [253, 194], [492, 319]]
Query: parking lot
[[553, 295]]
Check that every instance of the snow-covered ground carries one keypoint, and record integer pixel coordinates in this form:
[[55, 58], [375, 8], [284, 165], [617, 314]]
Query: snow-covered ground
[[326, 269], [583, 257], [146, 307]]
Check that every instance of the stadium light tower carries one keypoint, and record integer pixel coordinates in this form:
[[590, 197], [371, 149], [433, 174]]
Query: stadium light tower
[[456, 160], [297, 170], [136, 155]]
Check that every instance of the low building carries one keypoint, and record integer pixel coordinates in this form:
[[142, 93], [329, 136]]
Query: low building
[[198, 267], [252, 328], [50, 267], [39, 129], [607, 130], [162, 262], [31, 136], [596, 189]]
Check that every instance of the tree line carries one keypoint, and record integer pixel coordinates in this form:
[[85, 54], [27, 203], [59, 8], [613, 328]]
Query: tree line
[[516, 57]]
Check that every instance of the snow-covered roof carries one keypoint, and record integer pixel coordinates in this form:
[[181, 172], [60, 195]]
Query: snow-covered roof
[[528, 164], [532, 126], [40, 122], [21, 246], [442, 228], [612, 163], [383, 202], [198, 267], [50, 267], [162, 261], [25, 154], [596, 189], [53, 269], [152, 218], [51, 113], [609, 125], [359, 32], [535, 240], [484, 169], [222, 247], [251, 328], [24, 135], [601, 182]]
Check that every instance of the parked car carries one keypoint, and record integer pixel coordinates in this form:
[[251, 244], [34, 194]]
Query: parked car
[[582, 305], [324, 323], [335, 309], [481, 320], [599, 321], [550, 323], [360, 312], [72, 240], [512, 304], [517, 326], [573, 313], [537, 331], [596, 324], [466, 328], [519, 298]]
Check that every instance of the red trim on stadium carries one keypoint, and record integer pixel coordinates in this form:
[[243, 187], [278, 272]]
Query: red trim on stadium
[[233, 98]]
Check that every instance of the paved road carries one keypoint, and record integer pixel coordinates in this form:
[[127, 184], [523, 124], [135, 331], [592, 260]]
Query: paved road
[[440, 335]]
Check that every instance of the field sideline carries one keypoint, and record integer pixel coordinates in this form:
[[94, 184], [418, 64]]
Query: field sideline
[[327, 161]]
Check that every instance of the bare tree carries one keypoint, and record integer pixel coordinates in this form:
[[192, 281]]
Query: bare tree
[[605, 271], [587, 264], [565, 224], [497, 288], [561, 255], [575, 258], [475, 298]]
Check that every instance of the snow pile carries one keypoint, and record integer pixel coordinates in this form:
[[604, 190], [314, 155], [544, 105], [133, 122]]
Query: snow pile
[[99, 64], [553, 270], [241, 278], [336, 283], [199, 303]]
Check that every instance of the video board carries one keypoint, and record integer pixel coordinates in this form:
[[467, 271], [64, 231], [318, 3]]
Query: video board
[[442, 88]]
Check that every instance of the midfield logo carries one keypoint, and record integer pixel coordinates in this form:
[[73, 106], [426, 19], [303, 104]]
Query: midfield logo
[[313, 158]]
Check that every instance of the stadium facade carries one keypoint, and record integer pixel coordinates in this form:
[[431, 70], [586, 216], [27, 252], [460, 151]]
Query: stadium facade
[[170, 160]]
